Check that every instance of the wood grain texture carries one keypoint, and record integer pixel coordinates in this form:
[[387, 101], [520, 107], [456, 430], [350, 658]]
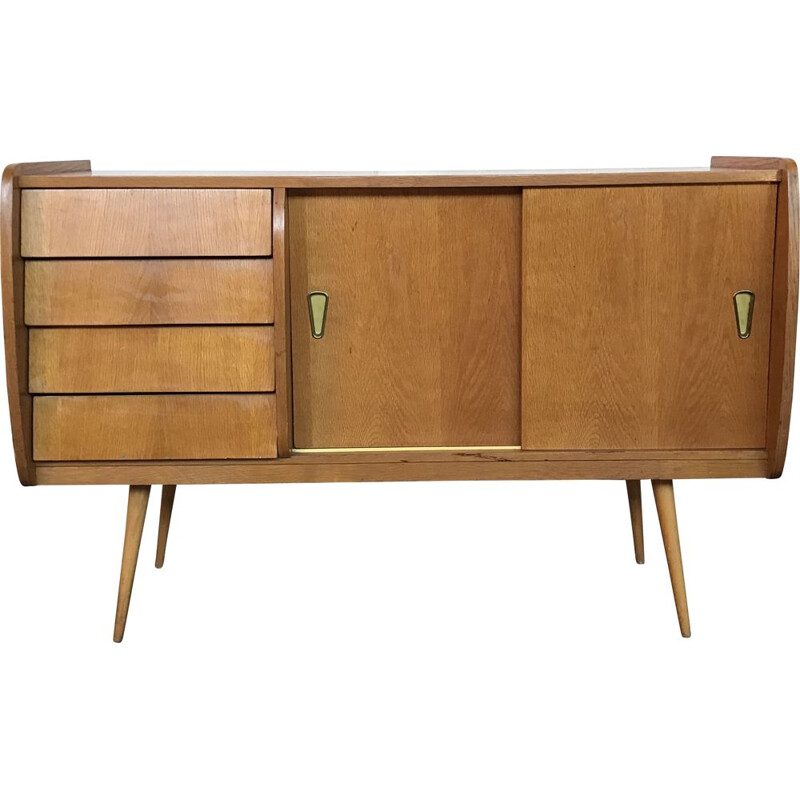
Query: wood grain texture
[[297, 469], [109, 223], [164, 519], [664, 494], [134, 525], [220, 358], [15, 334], [283, 330], [152, 292], [783, 335], [142, 427], [634, 489], [784, 319], [402, 180], [749, 163], [52, 169], [504, 455], [422, 338], [629, 335], [616, 464]]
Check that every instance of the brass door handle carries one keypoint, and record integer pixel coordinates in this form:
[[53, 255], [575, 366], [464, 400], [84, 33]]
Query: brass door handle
[[318, 313], [743, 303]]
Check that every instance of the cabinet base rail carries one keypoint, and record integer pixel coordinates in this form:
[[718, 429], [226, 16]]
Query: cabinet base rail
[[663, 492]]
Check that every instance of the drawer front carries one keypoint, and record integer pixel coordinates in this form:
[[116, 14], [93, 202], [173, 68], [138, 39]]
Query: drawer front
[[159, 359], [144, 427], [108, 223], [156, 292]]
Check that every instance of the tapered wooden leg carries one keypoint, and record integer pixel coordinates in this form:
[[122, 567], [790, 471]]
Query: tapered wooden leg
[[668, 519], [635, 502], [134, 524], [167, 500]]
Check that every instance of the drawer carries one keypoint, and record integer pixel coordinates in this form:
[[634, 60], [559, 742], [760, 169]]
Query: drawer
[[107, 223], [160, 359], [144, 427], [152, 292]]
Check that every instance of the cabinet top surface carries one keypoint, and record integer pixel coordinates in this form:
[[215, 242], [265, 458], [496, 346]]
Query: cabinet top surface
[[399, 180]]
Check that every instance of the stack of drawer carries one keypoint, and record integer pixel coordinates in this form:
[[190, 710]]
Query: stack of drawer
[[150, 318]]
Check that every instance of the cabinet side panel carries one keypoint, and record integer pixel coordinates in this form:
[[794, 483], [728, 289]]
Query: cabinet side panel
[[784, 319], [14, 330], [15, 334], [629, 331]]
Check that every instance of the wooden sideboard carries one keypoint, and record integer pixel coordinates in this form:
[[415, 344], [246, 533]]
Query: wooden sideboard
[[262, 328]]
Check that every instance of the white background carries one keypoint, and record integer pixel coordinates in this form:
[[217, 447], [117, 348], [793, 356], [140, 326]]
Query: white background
[[485, 640]]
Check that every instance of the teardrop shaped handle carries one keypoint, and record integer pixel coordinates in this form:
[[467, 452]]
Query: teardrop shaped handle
[[743, 303], [318, 313]]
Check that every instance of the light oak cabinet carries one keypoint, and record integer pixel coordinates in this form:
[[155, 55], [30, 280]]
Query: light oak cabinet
[[166, 329]]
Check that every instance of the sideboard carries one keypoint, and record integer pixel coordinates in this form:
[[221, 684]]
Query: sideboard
[[270, 328]]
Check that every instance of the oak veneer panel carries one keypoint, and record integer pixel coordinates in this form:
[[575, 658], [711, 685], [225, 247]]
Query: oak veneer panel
[[403, 180], [152, 292], [143, 427], [297, 470], [629, 335], [283, 337], [15, 334], [784, 320], [107, 223], [786, 277], [421, 346], [153, 359], [595, 464]]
